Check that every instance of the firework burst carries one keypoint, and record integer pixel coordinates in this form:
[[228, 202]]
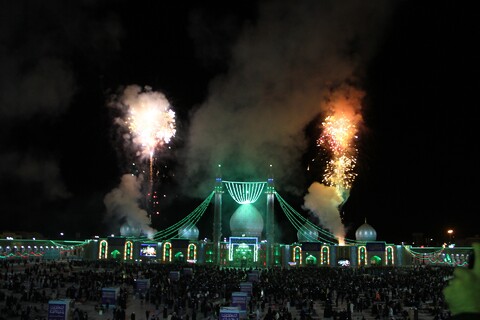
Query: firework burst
[[150, 120], [339, 135]]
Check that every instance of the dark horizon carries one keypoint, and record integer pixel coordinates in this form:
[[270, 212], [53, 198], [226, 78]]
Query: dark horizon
[[250, 85]]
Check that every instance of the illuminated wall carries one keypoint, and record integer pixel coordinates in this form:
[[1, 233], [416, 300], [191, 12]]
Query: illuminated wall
[[277, 255]]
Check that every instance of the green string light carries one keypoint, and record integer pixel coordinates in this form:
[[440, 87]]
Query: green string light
[[245, 192]]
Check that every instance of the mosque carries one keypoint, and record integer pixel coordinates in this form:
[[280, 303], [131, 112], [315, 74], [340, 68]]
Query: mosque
[[251, 244]]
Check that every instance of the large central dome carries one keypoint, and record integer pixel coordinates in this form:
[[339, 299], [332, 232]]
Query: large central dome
[[246, 220]]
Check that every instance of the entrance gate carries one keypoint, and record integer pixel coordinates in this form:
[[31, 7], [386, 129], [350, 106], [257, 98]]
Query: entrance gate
[[243, 251]]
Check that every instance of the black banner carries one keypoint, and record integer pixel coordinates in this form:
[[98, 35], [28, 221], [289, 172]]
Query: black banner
[[375, 246], [311, 246], [180, 243]]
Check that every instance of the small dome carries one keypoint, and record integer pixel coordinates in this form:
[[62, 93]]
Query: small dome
[[307, 233], [246, 220], [366, 232], [188, 231], [130, 231]]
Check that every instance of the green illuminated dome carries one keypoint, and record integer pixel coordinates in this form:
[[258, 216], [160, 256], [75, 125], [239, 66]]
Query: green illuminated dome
[[307, 233], [189, 232], [246, 220], [366, 232]]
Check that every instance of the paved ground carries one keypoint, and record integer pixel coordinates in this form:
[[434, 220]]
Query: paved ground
[[135, 305], [139, 308]]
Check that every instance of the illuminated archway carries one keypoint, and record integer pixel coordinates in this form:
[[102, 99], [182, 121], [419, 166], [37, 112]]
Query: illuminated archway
[[247, 245], [297, 254], [192, 252], [103, 249], [389, 258], [167, 252], [362, 255], [325, 255], [128, 252]]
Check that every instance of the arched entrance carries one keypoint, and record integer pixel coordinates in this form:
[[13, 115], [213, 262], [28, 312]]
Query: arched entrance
[[243, 255]]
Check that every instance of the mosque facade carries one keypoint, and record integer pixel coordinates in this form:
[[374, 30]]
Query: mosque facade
[[241, 250], [245, 248], [251, 244]]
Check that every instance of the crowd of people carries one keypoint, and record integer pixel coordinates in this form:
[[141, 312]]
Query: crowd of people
[[375, 292]]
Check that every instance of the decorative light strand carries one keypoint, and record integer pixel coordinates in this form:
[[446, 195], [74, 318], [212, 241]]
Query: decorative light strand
[[245, 192]]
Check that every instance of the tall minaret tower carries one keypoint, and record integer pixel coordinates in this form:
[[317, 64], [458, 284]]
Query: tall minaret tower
[[217, 216], [270, 230]]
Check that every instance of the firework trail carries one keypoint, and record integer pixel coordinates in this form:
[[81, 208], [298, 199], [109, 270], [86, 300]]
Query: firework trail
[[339, 134], [150, 120]]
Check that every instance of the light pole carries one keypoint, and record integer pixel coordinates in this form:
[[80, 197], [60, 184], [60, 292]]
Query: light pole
[[450, 234]]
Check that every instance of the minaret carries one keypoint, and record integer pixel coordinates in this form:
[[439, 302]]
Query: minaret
[[269, 229], [217, 217]]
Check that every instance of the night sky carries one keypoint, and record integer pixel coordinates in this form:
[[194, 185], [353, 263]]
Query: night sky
[[248, 82]]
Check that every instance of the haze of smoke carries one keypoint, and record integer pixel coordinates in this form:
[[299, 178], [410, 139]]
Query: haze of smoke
[[40, 45], [324, 201], [282, 70], [122, 205], [30, 169], [37, 77]]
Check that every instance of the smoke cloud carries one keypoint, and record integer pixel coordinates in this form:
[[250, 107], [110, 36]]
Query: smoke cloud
[[122, 204], [32, 170], [43, 53], [296, 64], [282, 72], [324, 202]]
